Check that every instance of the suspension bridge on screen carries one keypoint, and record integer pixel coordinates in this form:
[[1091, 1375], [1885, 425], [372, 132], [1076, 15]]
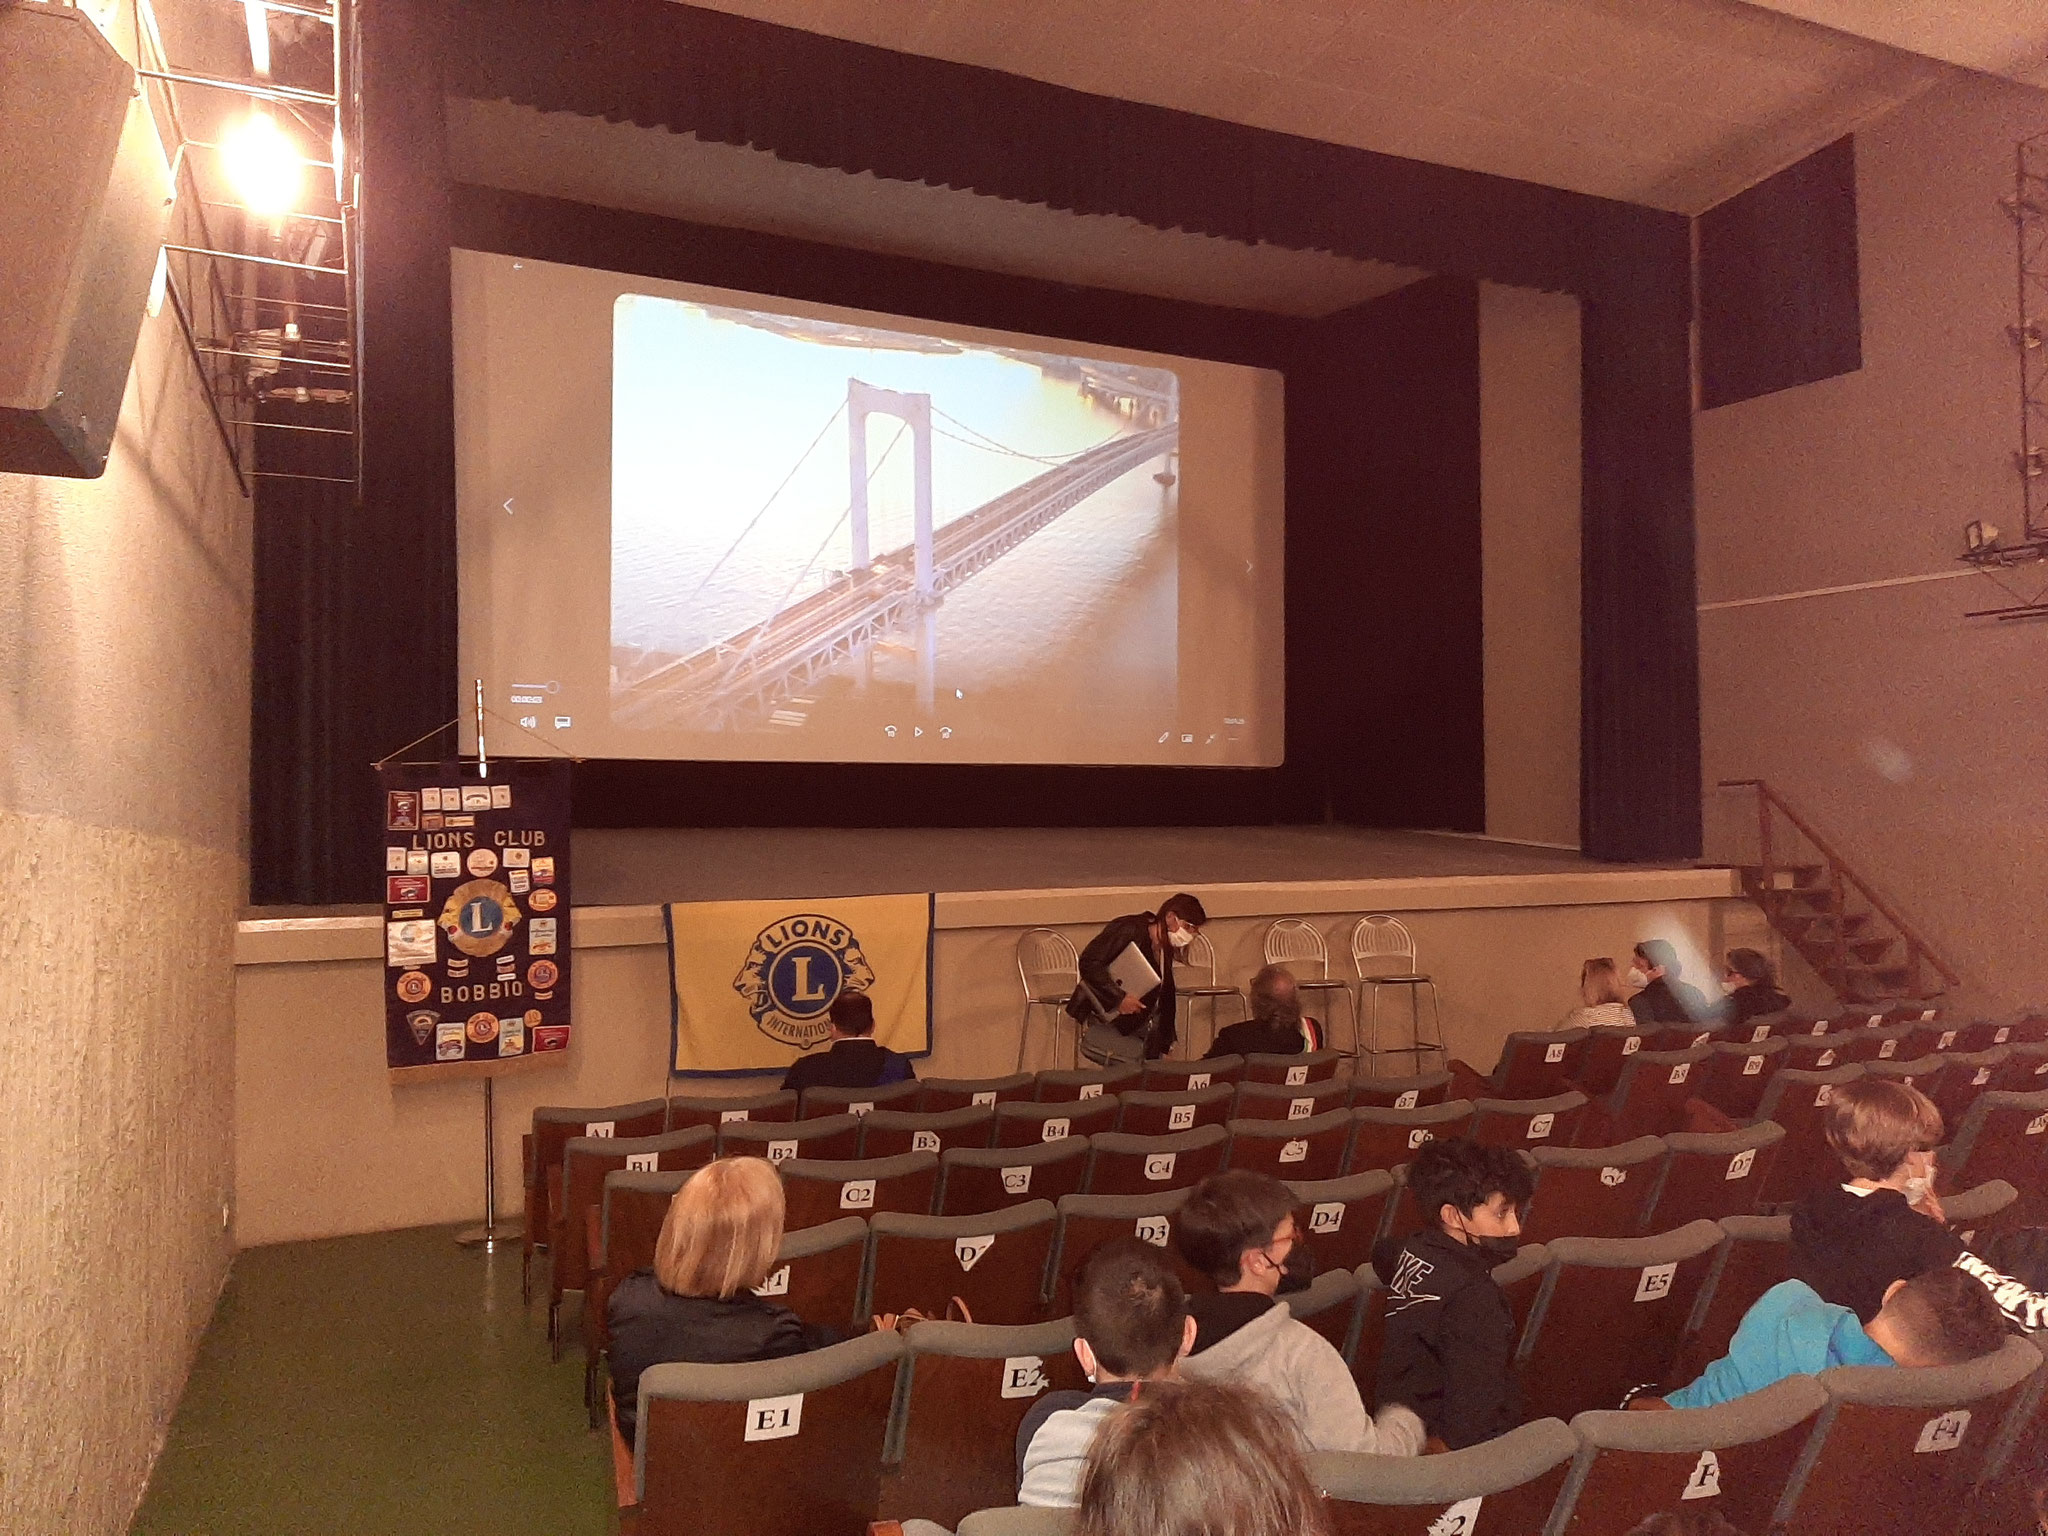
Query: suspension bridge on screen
[[747, 675]]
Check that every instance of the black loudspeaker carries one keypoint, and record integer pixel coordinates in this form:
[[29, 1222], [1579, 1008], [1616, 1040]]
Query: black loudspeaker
[[84, 197]]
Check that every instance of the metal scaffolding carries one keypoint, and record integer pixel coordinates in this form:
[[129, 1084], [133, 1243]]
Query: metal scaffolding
[[268, 304]]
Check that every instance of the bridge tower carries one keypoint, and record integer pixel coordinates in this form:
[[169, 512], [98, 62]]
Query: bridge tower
[[915, 410], [864, 400]]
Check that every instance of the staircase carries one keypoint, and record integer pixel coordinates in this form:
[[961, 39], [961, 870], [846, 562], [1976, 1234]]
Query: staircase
[[1852, 937]]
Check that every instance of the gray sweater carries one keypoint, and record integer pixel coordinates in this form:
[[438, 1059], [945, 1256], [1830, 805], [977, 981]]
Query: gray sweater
[[1295, 1366]]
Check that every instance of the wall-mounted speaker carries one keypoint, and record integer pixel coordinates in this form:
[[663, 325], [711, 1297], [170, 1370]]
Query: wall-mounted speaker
[[85, 194]]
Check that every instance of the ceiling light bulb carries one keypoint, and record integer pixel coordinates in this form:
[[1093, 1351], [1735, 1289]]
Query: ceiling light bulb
[[264, 165]]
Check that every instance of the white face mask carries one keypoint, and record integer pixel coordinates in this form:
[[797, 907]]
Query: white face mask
[[1917, 1190], [1180, 938], [1636, 978]]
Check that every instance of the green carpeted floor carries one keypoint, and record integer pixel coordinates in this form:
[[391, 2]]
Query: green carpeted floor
[[377, 1386]]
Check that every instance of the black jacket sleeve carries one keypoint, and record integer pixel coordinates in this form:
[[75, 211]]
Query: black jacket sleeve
[[1476, 1338]]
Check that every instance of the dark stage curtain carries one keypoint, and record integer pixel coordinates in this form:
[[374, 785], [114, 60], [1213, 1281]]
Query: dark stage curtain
[[1779, 285]]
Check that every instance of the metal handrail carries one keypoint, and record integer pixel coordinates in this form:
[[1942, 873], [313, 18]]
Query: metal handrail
[[1839, 871]]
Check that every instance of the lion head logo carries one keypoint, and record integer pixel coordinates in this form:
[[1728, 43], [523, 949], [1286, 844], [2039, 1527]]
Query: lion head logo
[[794, 968]]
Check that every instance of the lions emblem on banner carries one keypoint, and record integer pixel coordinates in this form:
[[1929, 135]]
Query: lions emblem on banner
[[794, 968]]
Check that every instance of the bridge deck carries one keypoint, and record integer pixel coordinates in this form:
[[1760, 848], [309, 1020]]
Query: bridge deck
[[768, 660]]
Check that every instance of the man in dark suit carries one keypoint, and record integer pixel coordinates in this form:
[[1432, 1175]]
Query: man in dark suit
[[854, 1061], [1663, 998], [1276, 1027]]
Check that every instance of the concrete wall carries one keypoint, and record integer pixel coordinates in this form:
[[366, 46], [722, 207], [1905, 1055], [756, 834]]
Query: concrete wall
[[124, 707], [1529, 555], [326, 1144], [1912, 736]]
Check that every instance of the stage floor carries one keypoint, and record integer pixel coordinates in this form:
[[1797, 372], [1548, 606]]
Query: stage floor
[[630, 866]]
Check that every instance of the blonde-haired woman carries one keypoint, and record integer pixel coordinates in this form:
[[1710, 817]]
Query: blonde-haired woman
[[1603, 1000], [697, 1304]]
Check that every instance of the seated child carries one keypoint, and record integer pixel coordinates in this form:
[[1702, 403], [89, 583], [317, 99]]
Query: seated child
[[1450, 1336], [1238, 1228], [1131, 1325], [1851, 1241], [1943, 1317]]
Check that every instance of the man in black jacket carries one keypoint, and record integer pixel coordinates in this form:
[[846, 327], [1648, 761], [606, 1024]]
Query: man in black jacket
[[1275, 1027], [1450, 1337], [854, 1061], [1664, 999], [1116, 1026]]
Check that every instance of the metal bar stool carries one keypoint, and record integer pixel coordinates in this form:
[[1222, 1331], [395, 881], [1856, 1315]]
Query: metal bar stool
[[1048, 969], [1200, 956], [1296, 944], [1383, 952]]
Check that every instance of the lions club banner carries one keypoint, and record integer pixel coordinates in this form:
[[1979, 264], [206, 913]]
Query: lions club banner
[[476, 912], [750, 981]]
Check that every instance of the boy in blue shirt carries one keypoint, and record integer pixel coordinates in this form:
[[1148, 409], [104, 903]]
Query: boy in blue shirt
[[1943, 1317]]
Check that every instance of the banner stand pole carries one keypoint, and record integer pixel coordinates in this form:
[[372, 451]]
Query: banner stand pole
[[490, 1236]]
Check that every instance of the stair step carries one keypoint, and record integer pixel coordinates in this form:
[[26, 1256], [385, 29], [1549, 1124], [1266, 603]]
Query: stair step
[[1784, 877]]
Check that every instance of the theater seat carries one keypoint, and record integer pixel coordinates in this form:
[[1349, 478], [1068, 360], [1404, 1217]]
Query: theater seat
[[1089, 1221], [1979, 1211], [1016, 1520], [816, 1103], [1649, 1097], [1137, 1165], [2004, 1136], [936, 1094], [1969, 1076], [967, 1390], [767, 1448], [1023, 1125], [1165, 1075], [1390, 1138], [1799, 1101], [714, 1112], [1400, 1092], [1733, 1458], [632, 1206], [1293, 1070], [1342, 1217], [817, 1190], [1608, 1050], [1611, 1316], [887, 1132], [1896, 1451], [1756, 1256], [976, 1179], [541, 1149], [1708, 1177], [1536, 1063], [995, 1262], [1527, 1123], [835, 1138], [1278, 1101], [586, 1160], [1170, 1110], [1065, 1086], [820, 1273], [1592, 1191], [1735, 1074], [1316, 1148], [1506, 1487]]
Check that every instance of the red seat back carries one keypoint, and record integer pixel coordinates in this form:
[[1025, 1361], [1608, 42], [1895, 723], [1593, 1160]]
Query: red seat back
[[1389, 1138], [1169, 1111], [716, 1112], [1400, 1092], [1505, 1487], [1277, 1101], [816, 1191], [1025, 1125], [972, 1180], [1799, 1102], [1650, 1098], [1592, 1191], [1293, 1149], [835, 1138], [1611, 1317], [1527, 1123], [1342, 1217], [1140, 1165], [938, 1094], [1608, 1050], [1734, 1075], [1709, 1177], [888, 1132], [994, 1262]]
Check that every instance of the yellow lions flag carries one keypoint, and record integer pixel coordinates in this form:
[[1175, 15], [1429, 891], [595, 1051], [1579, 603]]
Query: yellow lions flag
[[750, 981]]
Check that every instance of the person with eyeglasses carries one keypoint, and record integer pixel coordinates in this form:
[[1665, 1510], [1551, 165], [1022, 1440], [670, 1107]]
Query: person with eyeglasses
[[1239, 1228]]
